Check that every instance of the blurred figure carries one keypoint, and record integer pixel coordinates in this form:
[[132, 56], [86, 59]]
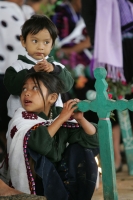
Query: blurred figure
[[73, 47], [69, 21], [35, 4], [88, 13], [48, 7]]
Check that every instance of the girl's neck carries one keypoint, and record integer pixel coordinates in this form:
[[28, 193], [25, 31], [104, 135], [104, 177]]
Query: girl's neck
[[50, 115]]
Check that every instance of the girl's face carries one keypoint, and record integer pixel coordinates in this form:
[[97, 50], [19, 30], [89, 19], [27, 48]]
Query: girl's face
[[32, 100], [38, 44]]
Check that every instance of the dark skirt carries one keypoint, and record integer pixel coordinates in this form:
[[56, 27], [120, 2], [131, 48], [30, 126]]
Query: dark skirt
[[73, 178]]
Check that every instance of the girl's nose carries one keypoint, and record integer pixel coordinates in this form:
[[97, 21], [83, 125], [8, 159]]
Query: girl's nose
[[27, 93]]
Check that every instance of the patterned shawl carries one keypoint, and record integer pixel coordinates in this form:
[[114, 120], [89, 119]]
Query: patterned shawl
[[17, 136]]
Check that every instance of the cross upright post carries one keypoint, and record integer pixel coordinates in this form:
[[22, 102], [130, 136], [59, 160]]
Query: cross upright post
[[102, 105]]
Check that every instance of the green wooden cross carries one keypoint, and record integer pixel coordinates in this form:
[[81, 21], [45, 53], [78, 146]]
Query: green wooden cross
[[126, 132], [102, 105]]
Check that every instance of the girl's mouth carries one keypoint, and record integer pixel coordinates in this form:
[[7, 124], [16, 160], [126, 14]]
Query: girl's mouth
[[27, 102], [39, 54]]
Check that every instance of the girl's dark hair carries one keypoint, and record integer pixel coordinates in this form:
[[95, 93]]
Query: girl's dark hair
[[50, 81], [37, 23]]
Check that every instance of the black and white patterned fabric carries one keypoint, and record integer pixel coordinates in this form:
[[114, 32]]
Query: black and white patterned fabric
[[12, 18]]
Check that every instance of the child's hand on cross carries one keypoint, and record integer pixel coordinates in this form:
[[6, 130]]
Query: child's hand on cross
[[77, 115], [67, 111]]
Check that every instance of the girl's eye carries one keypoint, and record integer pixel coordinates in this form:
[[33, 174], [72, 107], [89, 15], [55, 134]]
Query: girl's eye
[[34, 41], [35, 88], [46, 42], [24, 89]]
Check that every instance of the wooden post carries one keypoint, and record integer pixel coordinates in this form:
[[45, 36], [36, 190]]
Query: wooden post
[[127, 137], [102, 105]]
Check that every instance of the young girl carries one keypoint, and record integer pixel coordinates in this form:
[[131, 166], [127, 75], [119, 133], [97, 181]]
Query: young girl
[[39, 161]]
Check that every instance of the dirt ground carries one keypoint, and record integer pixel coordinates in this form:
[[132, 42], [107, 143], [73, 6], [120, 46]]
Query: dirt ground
[[124, 186]]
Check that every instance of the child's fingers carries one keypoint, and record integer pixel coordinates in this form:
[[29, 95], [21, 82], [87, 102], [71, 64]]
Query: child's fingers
[[44, 60], [76, 100], [71, 104], [43, 57], [68, 104], [41, 66], [46, 68]]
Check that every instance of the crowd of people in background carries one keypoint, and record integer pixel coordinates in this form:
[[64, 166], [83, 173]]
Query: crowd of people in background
[[73, 48]]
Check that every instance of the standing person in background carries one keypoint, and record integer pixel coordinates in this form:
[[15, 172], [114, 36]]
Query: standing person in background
[[73, 48], [13, 13], [67, 17]]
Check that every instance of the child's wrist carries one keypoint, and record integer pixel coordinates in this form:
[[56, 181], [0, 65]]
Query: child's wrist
[[52, 66], [35, 69], [80, 121], [60, 119]]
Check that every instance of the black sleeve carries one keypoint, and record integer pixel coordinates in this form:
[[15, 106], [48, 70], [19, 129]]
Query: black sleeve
[[31, 70], [56, 70]]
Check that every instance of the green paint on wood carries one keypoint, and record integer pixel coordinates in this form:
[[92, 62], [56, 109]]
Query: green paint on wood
[[103, 106], [127, 136]]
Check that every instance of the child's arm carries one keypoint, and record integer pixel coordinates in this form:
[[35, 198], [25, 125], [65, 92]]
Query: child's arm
[[86, 125], [65, 114], [78, 135], [77, 47], [86, 135]]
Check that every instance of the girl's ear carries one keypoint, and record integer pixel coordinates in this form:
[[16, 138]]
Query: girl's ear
[[22, 41], [53, 97]]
